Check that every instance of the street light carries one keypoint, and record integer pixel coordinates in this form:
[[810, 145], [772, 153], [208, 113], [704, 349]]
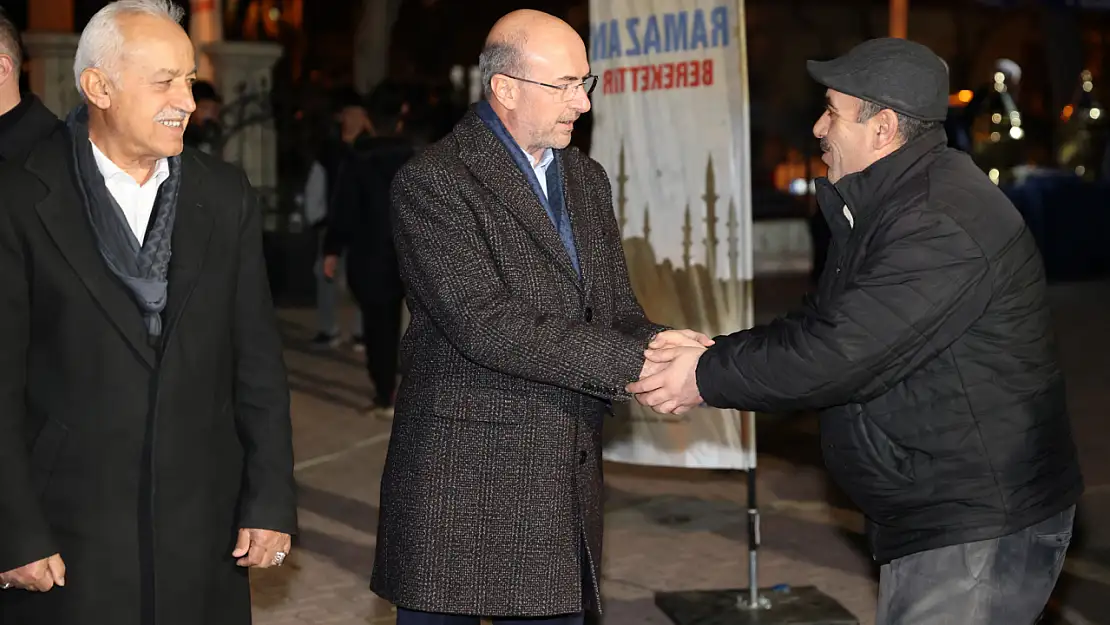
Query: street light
[[899, 16]]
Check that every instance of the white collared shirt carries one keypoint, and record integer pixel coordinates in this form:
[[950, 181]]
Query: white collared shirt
[[540, 167], [136, 202]]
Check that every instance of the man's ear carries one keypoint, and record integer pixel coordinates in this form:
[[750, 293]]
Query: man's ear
[[97, 88], [505, 91], [8, 70], [886, 129]]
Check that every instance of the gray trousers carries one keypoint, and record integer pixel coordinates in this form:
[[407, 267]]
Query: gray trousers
[[1002, 581], [327, 295]]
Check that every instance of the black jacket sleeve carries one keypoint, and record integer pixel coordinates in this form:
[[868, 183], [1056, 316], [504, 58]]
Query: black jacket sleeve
[[344, 202], [915, 294], [25, 536], [261, 390]]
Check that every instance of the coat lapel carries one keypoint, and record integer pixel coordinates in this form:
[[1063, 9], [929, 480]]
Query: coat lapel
[[489, 162], [191, 233], [63, 214], [578, 211]]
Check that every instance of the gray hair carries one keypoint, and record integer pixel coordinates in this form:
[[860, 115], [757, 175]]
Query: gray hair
[[909, 128], [101, 43], [9, 41], [502, 57]]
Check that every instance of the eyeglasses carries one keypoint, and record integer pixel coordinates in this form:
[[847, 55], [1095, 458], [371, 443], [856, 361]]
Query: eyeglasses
[[566, 92]]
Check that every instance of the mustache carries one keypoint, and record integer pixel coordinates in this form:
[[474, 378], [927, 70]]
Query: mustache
[[825, 147], [175, 115], [570, 120]]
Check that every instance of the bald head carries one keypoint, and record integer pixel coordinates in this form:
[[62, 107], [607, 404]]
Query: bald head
[[520, 39], [519, 26]]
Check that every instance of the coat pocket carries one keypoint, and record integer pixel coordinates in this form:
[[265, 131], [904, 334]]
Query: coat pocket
[[479, 404], [44, 453]]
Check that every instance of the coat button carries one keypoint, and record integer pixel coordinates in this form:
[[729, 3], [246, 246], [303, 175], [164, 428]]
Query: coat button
[[582, 457], [589, 314]]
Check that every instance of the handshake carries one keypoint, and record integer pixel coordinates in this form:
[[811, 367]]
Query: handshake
[[668, 382]]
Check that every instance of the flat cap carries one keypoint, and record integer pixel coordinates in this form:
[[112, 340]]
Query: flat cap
[[901, 75]]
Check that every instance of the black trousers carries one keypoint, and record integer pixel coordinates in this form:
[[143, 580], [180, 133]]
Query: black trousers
[[377, 289]]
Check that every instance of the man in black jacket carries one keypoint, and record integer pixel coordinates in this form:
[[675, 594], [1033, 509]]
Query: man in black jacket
[[359, 225], [24, 120], [352, 129], [928, 349]]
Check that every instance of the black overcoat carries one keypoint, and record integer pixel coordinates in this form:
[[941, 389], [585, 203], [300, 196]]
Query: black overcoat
[[136, 462]]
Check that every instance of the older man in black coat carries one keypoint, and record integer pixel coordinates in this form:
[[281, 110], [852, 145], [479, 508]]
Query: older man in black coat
[[524, 329], [145, 441]]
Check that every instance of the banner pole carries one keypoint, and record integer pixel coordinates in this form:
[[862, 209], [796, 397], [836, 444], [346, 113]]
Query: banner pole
[[753, 544], [754, 601]]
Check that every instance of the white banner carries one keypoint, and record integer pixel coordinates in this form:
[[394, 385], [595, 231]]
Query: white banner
[[671, 128]]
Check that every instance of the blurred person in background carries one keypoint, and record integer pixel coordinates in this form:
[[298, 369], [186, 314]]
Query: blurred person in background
[[359, 227], [24, 120], [352, 129], [205, 131]]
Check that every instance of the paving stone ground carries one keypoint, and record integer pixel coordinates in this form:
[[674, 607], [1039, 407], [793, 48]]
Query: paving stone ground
[[666, 529]]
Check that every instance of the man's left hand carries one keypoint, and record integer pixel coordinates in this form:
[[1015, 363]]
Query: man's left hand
[[261, 548], [674, 389], [679, 338]]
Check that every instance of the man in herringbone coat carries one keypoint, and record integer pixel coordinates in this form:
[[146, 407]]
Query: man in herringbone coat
[[524, 329]]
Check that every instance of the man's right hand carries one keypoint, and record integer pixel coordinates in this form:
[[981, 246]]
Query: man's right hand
[[39, 576], [672, 338], [331, 263]]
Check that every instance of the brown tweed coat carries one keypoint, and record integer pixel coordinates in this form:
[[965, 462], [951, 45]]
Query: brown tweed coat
[[491, 494]]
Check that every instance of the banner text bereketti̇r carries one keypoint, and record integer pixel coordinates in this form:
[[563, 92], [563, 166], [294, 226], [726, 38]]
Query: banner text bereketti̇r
[[680, 75]]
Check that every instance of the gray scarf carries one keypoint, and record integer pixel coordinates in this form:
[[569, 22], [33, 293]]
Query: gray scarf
[[143, 269]]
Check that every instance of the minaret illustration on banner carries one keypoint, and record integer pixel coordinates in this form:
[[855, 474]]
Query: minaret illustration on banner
[[733, 240], [687, 230], [715, 291], [710, 198]]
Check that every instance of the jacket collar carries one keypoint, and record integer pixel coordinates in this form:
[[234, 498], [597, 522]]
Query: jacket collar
[[862, 193], [520, 156], [24, 125]]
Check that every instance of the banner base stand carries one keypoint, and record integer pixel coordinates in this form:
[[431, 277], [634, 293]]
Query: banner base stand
[[804, 605]]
